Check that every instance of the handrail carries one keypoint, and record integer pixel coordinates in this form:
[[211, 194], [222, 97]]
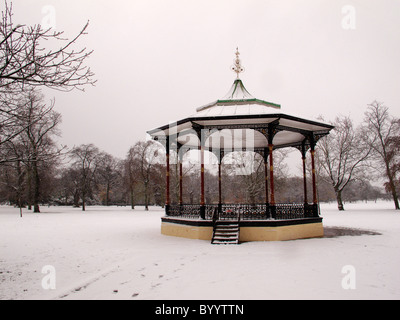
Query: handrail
[[215, 215]]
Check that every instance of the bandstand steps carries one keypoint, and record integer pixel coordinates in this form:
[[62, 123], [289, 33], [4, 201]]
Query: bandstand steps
[[226, 233]]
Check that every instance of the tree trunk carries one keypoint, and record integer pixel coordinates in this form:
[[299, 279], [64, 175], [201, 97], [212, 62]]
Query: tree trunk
[[19, 188], [339, 199], [191, 197], [36, 184], [395, 198], [132, 199], [83, 201], [29, 183], [108, 194], [146, 197], [66, 198], [76, 199], [393, 188], [252, 195]]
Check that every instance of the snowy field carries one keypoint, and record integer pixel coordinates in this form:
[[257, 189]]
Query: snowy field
[[117, 253]]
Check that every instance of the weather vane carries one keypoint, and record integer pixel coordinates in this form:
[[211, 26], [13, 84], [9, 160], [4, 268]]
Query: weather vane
[[237, 67]]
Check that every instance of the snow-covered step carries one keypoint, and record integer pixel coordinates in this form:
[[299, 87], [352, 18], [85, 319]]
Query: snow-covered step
[[228, 225], [225, 237], [226, 233], [225, 242], [224, 229]]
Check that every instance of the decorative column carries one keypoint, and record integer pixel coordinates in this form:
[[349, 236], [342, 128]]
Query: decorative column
[[266, 175], [202, 202], [167, 194], [220, 182], [303, 158], [271, 179], [268, 133], [314, 184], [180, 180], [271, 173]]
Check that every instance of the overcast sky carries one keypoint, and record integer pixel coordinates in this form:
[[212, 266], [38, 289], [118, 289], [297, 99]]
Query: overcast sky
[[156, 61]]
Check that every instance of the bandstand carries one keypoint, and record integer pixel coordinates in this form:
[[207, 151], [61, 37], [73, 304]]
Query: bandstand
[[241, 122]]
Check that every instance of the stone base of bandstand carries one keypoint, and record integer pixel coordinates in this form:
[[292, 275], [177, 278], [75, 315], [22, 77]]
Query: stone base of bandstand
[[250, 230]]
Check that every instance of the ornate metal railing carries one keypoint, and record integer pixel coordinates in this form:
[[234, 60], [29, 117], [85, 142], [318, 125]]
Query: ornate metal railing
[[244, 212], [286, 211], [279, 211]]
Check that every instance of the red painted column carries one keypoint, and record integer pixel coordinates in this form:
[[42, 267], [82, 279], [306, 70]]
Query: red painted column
[[180, 183], [304, 176], [167, 177], [219, 183], [167, 194], [271, 173], [202, 202], [314, 185], [266, 174]]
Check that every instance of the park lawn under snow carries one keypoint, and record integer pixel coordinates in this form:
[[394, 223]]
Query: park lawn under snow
[[119, 253]]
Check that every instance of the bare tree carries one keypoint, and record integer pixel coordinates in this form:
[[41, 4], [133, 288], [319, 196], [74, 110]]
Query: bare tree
[[131, 172], [380, 131], [244, 176], [26, 63], [248, 167], [13, 175], [39, 124], [85, 162], [187, 168], [341, 155], [393, 152], [147, 154], [69, 186], [109, 173], [23, 61], [10, 120]]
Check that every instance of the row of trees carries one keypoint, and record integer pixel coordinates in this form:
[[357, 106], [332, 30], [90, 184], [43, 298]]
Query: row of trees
[[83, 175]]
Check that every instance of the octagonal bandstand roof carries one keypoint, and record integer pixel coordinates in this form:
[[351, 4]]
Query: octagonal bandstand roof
[[239, 120]]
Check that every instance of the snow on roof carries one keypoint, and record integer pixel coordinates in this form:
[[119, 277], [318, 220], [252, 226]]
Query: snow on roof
[[238, 92], [238, 101]]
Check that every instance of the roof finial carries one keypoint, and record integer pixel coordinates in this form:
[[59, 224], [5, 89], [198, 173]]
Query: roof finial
[[237, 67]]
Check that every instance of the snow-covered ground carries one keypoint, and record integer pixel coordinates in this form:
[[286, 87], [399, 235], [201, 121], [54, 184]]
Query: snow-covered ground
[[117, 253]]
